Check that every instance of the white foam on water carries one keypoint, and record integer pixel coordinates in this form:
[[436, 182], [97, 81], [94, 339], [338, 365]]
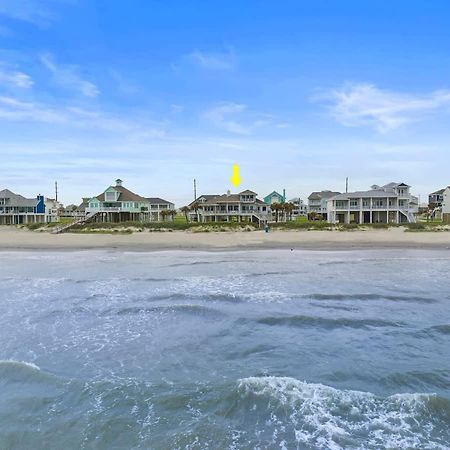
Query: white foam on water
[[11, 362], [325, 417]]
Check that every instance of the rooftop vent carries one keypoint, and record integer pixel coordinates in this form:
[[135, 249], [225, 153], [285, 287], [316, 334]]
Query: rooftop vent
[[118, 182]]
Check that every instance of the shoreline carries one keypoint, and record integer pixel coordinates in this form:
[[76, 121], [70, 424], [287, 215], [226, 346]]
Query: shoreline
[[19, 239]]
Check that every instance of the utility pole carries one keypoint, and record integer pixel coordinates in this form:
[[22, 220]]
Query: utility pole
[[195, 190], [346, 185], [56, 190]]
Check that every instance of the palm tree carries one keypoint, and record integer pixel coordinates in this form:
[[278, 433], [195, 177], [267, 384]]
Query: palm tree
[[194, 207], [289, 208], [164, 214], [185, 210], [276, 207], [172, 213]]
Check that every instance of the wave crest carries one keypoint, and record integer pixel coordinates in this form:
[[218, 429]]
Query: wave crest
[[324, 417]]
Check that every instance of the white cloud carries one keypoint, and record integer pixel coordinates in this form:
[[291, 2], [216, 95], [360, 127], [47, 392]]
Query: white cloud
[[15, 79], [213, 61], [68, 76], [19, 111], [37, 12], [219, 116], [364, 104], [237, 118]]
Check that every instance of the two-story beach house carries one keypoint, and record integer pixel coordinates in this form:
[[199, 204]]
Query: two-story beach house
[[446, 205], [435, 201], [52, 210], [119, 204], [391, 203], [301, 209], [241, 207], [317, 203], [16, 209]]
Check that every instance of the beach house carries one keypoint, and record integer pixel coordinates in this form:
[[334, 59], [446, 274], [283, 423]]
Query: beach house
[[391, 203], [275, 197], [317, 203], [119, 204], [301, 209], [16, 209], [241, 207], [435, 201], [446, 205]]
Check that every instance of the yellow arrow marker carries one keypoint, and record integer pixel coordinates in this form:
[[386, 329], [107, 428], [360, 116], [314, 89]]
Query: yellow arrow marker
[[236, 177]]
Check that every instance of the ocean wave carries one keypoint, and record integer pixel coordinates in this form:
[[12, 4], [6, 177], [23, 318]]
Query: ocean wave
[[10, 363], [394, 298], [325, 322], [319, 416], [197, 310]]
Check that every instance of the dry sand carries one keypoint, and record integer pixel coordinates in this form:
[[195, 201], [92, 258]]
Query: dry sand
[[12, 238]]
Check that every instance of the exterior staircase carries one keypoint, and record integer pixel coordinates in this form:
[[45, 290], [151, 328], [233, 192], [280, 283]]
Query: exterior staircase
[[409, 215], [67, 226]]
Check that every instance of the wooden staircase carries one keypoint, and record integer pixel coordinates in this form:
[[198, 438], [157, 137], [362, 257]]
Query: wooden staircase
[[67, 226]]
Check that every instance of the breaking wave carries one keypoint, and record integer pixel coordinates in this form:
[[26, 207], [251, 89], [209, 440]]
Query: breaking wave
[[319, 416]]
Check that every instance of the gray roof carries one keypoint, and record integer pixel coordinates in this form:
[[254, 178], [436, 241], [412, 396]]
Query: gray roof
[[322, 194], [16, 199], [159, 201], [440, 191]]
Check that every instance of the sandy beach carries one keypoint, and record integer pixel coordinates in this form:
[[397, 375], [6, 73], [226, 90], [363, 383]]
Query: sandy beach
[[12, 238]]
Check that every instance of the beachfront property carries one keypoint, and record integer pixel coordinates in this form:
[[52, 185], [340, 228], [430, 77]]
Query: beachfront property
[[119, 204], [52, 210], [275, 197], [435, 201], [391, 203], [301, 209], [16, 209], [241, 207], [446, 205], [317, 203]]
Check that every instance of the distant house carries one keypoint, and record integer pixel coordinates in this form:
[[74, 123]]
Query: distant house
[[119, 204], [241, 207], [52, 209], [391, 203], [16, 209], [317, 203], [275, 197], [301, 209], [435, 199], [446, 205], [157, 205]]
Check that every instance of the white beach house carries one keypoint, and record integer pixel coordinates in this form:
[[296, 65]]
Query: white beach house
[[241, 207], [317, 203], [391, 203], [446, 205]]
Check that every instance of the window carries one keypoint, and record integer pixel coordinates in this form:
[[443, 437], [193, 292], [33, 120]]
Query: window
[[354, 203], [110, 196]]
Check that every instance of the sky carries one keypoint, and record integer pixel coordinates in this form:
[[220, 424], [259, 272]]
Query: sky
[[301, 94]]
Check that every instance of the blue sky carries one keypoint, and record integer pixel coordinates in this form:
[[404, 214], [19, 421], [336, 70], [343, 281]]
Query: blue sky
[[301, 94]]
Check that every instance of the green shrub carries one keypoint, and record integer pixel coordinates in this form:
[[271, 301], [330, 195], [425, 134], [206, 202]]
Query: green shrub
[[378, 226], [415, 227], [348, 226]]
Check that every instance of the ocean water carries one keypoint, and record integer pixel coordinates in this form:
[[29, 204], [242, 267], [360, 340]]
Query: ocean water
[[273, 349]]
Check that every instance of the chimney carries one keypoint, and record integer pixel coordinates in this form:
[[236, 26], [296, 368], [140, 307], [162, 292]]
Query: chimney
[[118, 182]]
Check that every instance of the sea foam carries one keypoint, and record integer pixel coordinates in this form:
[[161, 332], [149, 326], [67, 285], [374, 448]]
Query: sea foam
[[324, 417]]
